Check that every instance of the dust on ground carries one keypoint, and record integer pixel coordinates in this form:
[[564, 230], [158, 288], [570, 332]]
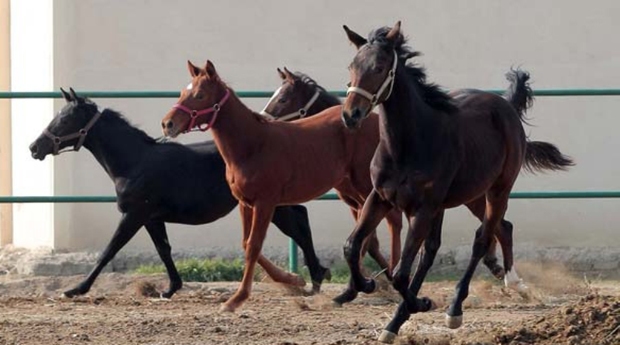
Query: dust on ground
[[561, 309]]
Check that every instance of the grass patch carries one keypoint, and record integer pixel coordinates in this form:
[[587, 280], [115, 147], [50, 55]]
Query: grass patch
[[217, 270], [207, 270]]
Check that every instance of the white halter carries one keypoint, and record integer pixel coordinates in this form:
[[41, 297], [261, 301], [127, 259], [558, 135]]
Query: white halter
[[301, 113], [388, 83]]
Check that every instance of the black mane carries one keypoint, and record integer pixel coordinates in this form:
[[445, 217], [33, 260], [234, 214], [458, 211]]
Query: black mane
[[114, 117], [431, 92], [306, 79]]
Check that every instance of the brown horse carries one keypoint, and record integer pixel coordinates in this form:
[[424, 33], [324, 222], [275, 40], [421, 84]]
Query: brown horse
[[272, 163], [301, 96], [436, 151]]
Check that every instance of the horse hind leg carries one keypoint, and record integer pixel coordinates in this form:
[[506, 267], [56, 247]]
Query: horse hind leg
[[477, 208], [293, 222], [496, 204], [511, 278], [394, 220], [157, 231]]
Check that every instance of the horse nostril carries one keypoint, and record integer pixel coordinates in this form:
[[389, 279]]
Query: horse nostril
[[357, 114], [34, 148], [169, 125]]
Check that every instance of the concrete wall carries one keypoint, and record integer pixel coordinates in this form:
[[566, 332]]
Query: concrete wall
[[143, 45]]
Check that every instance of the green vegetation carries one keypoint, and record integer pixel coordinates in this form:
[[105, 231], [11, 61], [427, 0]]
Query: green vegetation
[[214, 270]]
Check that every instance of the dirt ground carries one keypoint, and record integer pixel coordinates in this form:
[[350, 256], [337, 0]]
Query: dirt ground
[[561, 310]]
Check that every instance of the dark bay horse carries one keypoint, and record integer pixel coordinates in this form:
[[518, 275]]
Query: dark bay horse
[[271, 163], [300, 96], [158, 183], [436, 151]]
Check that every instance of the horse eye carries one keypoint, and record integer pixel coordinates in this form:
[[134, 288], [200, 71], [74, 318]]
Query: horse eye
[[281, 100], [199, 96]]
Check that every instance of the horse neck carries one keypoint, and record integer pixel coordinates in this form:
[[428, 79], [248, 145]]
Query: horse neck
[[116, 146], [237, 131], [323, 102], [407, 122]]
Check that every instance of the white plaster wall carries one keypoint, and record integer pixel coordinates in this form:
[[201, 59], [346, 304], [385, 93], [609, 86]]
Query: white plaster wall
[[31, 70], [143, 45]]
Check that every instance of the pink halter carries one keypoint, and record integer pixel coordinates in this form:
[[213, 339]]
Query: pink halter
[[194, 114]]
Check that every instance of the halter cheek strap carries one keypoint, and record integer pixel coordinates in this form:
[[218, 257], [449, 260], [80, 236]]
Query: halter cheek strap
[[388, 83], [195, 114], [301, 113], [81, 135]]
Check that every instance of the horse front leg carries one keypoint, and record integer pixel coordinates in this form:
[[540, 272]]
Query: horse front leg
[[261, 217], [373, 212], [157, 231], [404, 311], [128, 226]]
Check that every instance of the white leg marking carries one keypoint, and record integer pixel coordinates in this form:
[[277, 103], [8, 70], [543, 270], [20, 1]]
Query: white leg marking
[[512, 281]]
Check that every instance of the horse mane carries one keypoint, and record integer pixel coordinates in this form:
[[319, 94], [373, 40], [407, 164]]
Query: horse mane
[[306, 79], [114, 117], [432, 94]]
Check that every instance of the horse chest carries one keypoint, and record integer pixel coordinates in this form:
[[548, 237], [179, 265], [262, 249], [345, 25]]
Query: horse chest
[[404, 191]]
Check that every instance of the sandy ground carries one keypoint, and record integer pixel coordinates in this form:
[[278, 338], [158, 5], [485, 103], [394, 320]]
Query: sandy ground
[[114, 312]]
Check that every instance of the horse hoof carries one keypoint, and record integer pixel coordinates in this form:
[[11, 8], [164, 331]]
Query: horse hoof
[[165, 296], [336, 304], [65, 296], [454, 322], [225, 308], [370, 286], [387, 337], [431, 304]]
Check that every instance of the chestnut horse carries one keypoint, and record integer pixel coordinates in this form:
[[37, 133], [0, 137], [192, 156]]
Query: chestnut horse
[[436, 151], [272, 163], [300, 96]]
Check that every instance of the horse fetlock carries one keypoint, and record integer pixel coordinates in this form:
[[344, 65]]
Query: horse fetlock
[[369, 286]]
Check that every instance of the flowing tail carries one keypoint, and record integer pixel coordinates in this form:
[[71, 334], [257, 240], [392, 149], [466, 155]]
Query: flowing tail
[[539, 155]]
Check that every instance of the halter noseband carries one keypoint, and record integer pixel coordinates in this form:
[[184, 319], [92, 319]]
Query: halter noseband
[[194, 114], [388, 83], [81, 134], [301, 113]]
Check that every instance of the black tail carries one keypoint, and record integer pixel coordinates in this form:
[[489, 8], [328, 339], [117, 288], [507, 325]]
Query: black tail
[[519, 93], [539, 155]]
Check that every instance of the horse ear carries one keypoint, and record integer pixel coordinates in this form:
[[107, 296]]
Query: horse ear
[[75, 96], [289, 75], [193, 70], [394, 33], [282, 75], [66, 95], [355, 38], [210, 69]]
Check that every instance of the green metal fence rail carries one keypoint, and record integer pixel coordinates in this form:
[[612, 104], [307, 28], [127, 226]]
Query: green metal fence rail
[[328, 196], [293, 259], [267, 94]]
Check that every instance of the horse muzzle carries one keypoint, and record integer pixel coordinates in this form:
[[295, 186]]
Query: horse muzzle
[[354, 118], [39, 150]]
